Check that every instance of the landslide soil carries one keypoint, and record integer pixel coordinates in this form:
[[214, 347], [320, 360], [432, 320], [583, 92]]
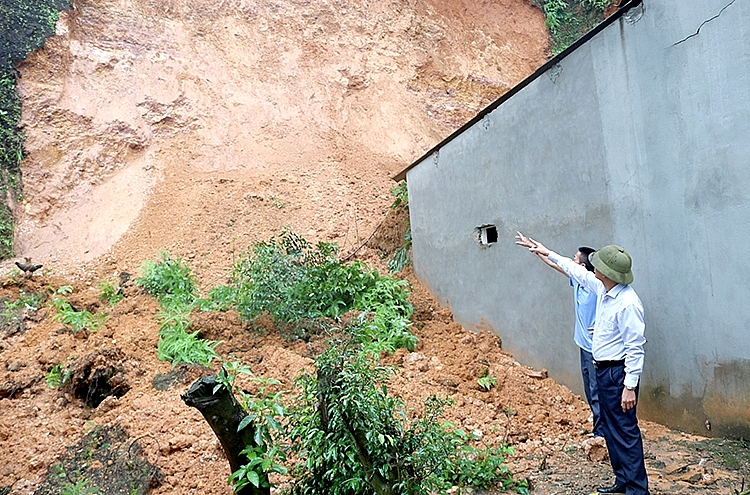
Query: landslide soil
[[200, 127]]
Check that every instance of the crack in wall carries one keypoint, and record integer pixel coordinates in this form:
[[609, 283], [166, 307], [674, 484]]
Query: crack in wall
[[704, 23]]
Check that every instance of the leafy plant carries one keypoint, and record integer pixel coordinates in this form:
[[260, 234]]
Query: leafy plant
[[486, 381], [77, 320], [401, 193], [171, 282], [568, 20], [264, 413], [178, 345], [168, 279], [400, 258], [79, 488], [57, 376], [12, 311], [352, 437], [109, 293], [300, 285]]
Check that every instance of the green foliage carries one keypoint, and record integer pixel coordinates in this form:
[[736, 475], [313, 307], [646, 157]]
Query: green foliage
[[568, 20], [11, 312], [401, 193], [54, 377], [30, 302], [486, 381], [57, 376], [168, 279], [76, 320], [24, 26], [400, 258], [221, 298], [178, 345], [353, 438], [264, 414], [6, 228], [298, 285], [109, 293], [81, 487]]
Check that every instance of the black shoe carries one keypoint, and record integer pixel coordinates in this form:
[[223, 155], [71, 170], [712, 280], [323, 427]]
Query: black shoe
[[611, 489]]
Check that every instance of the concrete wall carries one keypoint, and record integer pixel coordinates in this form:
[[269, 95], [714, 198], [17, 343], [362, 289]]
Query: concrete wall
[[639, 137]]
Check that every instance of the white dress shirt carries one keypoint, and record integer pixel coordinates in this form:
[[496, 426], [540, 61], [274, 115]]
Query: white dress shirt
[[619, 326]]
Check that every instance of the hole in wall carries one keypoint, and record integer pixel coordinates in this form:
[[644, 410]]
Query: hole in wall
[[486, 235]]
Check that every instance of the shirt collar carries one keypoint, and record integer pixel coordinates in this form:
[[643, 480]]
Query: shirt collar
[[615, 291]]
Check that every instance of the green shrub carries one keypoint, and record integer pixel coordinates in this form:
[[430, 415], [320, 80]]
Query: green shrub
[[568, 20], [264, 414], [168, 279], [298, 285], [401, 257], [486, 381], [57, 376], [178, 345], [353, 438], [401, 193], [109, 293]]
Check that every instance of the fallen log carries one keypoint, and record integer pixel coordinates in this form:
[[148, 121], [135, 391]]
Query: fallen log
[[224, 414]]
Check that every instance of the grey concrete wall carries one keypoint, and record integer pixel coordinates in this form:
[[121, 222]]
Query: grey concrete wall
[[640, 137]]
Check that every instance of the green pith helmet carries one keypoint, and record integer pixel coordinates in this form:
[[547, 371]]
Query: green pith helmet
[[614, 263]]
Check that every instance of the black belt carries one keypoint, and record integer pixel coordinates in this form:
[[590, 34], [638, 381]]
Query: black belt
[[608, 364]]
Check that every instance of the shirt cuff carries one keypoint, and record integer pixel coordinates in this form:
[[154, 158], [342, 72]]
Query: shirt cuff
[[553, 257], [631, 381]]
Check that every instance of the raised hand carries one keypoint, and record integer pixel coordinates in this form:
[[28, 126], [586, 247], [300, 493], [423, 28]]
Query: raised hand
[[538, 248], [524, 241]]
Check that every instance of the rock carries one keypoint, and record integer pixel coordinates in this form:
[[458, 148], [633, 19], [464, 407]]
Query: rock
[[413, 357], [109, 403], [595, 449], [180, 442]]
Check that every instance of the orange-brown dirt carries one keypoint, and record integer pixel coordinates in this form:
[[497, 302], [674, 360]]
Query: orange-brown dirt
[[199, 127]]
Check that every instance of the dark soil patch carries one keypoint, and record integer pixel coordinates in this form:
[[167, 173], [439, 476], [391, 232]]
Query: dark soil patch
[[98, 376], [105, 459], [180, 375]]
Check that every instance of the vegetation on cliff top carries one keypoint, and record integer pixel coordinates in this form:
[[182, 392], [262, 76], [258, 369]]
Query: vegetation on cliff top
[[24, 26]]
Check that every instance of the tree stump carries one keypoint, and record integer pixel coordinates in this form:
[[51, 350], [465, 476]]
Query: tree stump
[[224, 414]]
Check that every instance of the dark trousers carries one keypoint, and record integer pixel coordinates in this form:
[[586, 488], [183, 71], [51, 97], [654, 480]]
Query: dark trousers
[[621, 432], [588, 373]]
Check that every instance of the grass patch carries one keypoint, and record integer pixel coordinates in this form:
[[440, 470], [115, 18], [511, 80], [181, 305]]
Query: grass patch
[[568, 20]]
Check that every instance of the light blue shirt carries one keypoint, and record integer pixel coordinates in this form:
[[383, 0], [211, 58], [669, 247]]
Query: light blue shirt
[[585, 306], [619, 326]]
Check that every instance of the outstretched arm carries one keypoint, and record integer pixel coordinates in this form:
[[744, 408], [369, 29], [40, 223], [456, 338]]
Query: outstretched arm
[[526, 242], [567, 265]]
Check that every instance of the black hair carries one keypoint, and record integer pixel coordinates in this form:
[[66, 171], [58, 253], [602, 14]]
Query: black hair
[[587, 252]]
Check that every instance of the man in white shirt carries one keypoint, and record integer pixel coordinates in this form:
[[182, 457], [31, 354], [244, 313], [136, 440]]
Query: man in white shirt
[[618, 353]]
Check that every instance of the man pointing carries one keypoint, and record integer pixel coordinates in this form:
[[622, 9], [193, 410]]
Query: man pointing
[[617, 347]]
